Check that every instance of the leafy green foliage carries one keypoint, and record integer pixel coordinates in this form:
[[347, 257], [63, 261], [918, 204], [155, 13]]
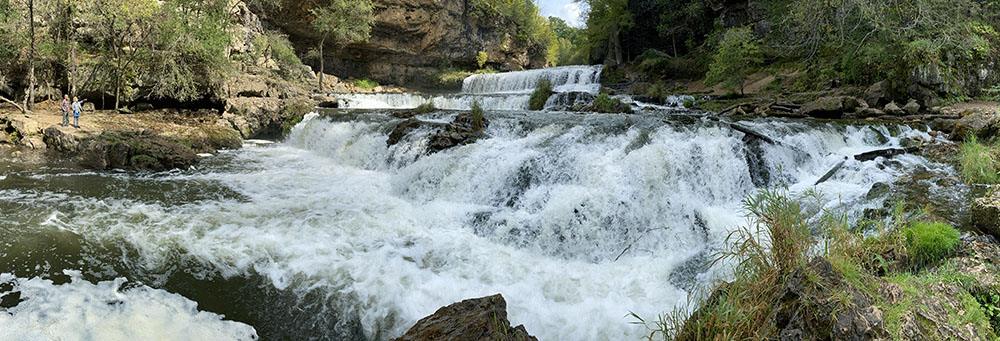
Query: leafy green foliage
[[481, 58], [365, 83], [607, 104], [737, 57], [541, 95], [606, 20], [524, 14], [477, 117], [683, 22], [425, 108], [929, 242], [979, 162], [283, 52], [344, 21]]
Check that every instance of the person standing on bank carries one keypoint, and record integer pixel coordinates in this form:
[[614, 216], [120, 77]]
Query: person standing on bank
[[77, 108], [65, 110]]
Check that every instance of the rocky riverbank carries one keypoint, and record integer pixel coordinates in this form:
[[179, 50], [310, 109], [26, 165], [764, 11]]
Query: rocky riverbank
[[154, 139]]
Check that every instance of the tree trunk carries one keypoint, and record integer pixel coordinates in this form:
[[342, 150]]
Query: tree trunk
[[321, 41], [30, 96], [71, 37]]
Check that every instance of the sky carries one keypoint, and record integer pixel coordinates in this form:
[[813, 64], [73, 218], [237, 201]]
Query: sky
[[565, 9]]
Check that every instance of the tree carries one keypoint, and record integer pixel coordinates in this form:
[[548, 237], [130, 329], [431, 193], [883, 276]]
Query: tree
[[123, 33], [606, 21], [344, 21], [29, 97], [736, 58]]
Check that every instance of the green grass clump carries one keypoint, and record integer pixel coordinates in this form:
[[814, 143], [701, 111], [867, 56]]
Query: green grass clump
[[365, 83], [929, 242], [425, 108], [477, 117], [979, 163], [607, 104], [541, 95]]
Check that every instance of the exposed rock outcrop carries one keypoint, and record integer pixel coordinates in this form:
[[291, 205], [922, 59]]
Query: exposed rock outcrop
[[138, 150], [986, 214], [483, 318], [982, 124], [411, 39], [831, 107]]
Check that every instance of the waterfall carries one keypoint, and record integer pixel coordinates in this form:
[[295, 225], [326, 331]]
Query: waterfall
[[577, 219], [564, 79], [494, 91]]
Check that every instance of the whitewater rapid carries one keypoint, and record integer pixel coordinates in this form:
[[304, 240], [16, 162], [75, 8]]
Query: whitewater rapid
[[578, 220]]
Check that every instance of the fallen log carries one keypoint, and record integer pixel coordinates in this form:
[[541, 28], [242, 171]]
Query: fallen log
[[830, 173], [869, 156], [750, 132], [782, 108], [12, 102], [887, 153]]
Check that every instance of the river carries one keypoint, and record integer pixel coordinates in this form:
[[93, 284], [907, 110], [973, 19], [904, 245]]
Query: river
[[578, 219]]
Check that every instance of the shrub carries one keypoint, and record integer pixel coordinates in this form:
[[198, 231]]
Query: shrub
[[736, 58], [481, 58], [365, 83], [425, 108], [657, 92], [283, 53], [928, 242], [978, 161], [541, 95], [477, 117], [607, 104]]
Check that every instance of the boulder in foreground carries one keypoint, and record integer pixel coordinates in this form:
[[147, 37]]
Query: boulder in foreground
[[483, 318]]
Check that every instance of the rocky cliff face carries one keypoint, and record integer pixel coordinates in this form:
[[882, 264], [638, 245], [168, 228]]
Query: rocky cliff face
[[412, 39]]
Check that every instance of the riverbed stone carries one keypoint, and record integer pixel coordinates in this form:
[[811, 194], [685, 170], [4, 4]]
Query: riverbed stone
[[986, 214], [33, 142], [831, 106], [61, 141], [893, 109], [982, 125], [24, 125], [911, 107], [483, 318], [877, 95]]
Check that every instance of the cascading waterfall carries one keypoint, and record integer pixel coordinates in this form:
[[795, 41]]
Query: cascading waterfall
[[576, 219], [496, 91]]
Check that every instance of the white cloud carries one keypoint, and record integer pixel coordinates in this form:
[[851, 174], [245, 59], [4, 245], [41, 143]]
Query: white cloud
[[565, 9]]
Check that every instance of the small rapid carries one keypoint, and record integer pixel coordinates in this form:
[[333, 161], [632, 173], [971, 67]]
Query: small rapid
[[577, 219]]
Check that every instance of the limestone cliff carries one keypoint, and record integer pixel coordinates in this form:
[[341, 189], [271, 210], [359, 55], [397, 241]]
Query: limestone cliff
[[412, 39]]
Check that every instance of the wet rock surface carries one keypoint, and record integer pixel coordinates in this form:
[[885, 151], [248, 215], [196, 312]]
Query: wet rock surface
[[483, 318]]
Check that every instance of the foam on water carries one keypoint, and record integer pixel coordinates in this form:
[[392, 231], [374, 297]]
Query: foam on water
[[540, 211], [80, 310]]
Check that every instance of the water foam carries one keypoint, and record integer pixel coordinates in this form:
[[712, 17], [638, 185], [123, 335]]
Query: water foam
[[541, 212], [80, 310]]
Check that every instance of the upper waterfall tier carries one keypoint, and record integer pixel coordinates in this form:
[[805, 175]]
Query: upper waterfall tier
[[578, 78]]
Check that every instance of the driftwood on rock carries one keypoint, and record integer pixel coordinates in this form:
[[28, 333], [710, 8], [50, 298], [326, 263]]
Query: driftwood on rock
[[830, 173], [868, 156], [750, 132], [888, 152], [12, 102]]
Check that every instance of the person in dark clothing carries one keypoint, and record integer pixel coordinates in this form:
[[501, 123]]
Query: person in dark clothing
[[65, 110]]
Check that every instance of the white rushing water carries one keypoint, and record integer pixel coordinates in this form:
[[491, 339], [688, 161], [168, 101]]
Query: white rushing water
[[542, 211], [496, 91], [80, 310]]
